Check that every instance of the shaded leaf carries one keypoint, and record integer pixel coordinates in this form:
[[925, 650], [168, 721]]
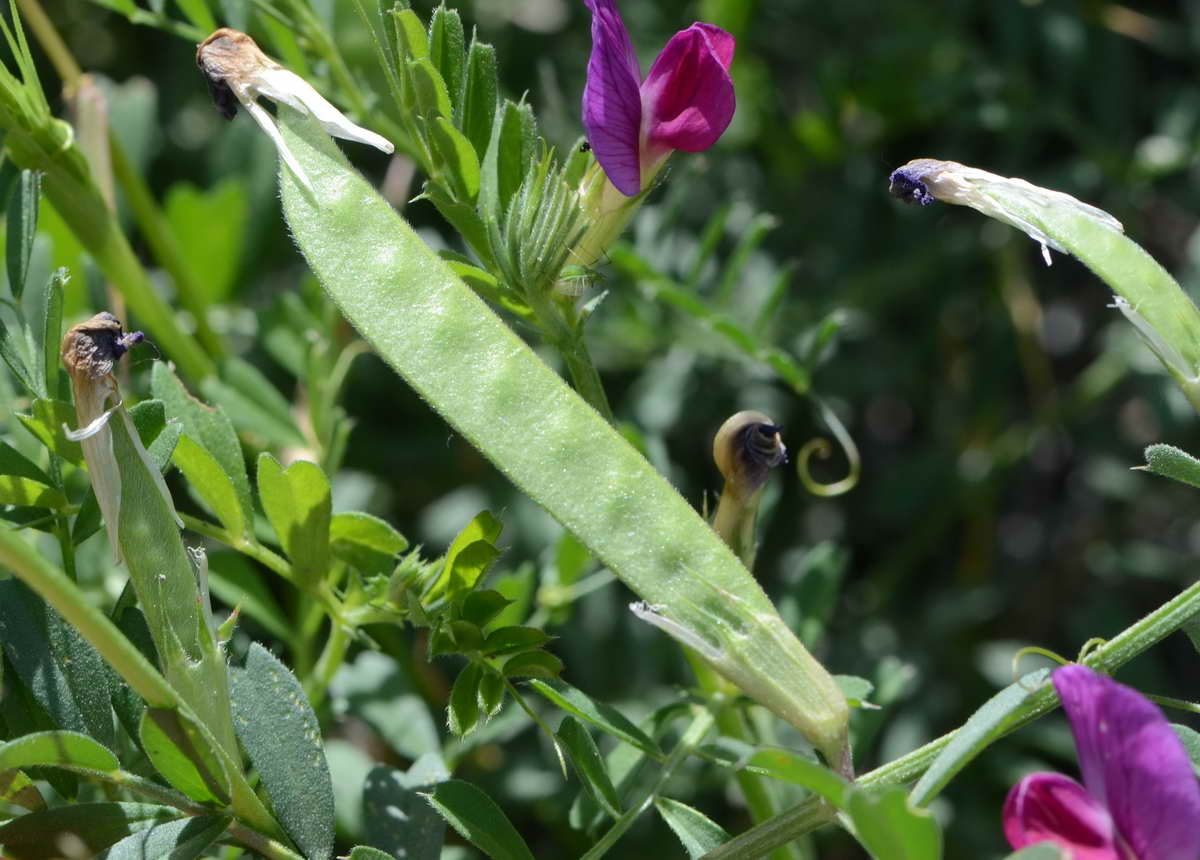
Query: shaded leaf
[[698, 833], [446, 49], [365, 542], [510, 640], [589, 766], [46, 423], [477, 110], [479, 820], [988, 723], [20, 228], [279, 731], [891, 828], [177, 749], [399, 820], [184, 839], [480, 607], [376, 690], [463, 710], [602, 716], [16, 464], [61, 670], [211, 483], [18, 789], [51, 333], [207, 426], [36, 836], [533, 664]]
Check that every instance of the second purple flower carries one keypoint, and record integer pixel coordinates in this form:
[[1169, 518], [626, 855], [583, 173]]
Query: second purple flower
[[1139, 799], [686, 101]]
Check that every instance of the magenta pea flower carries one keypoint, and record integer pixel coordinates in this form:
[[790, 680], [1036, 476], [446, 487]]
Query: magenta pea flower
[[1139, 800], [685, 103]]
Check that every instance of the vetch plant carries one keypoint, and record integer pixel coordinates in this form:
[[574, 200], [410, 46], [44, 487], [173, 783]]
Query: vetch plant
[[291, 676], [1140, 798]]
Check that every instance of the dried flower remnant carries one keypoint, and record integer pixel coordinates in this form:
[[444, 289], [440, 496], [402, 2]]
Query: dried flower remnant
[[90, 351], [1139, 800], [238, 72], [1013, 201]]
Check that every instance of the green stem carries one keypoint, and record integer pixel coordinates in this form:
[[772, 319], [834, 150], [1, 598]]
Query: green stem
[[1116, 652], [159, 235], [701, 723], [585, 378], [47, 35], [334, 652], [759, 798], [256, 551]]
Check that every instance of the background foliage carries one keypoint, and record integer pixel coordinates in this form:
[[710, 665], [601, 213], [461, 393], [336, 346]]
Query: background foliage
[[997, 404]]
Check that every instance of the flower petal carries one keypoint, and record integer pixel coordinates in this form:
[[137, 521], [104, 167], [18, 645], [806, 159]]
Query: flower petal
[[1049, 807], [1133, 762], [612, 105], [291, 89], [688, 95]]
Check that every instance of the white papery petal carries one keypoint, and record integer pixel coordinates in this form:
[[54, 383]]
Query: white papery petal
[[291, 89], [267, 123]]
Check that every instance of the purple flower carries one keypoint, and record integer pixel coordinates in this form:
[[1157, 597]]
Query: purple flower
[[1139, 800], [686, 102]]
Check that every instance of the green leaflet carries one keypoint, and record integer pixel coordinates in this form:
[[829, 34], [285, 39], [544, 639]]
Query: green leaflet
[[50, 748], [698, 833], [279, 731], [479, 820], [297, 502], [97, 825], [494, 390]]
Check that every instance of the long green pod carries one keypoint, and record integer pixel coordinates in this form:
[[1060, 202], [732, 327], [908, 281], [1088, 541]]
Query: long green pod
[[485, 381], [1165, 316]]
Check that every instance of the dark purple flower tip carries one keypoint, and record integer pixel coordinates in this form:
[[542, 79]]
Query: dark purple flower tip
[[1049, 807], [905, 185], [1133, 762], [612, 104], [688, 93]]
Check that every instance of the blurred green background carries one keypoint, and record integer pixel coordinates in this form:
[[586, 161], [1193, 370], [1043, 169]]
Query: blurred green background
[[998, 404]]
